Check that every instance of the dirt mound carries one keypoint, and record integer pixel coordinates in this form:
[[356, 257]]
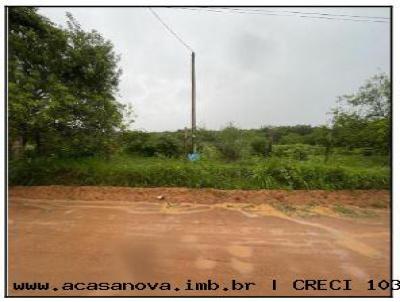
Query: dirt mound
[[360, 198]]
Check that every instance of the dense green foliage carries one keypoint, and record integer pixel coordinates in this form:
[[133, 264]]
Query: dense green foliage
[[62, 85], [363, 120], [340, 173], [146, 144], [66, 127]]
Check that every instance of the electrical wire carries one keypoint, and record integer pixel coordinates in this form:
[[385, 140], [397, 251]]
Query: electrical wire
[[170, 30], [282, 15], [303, 13]]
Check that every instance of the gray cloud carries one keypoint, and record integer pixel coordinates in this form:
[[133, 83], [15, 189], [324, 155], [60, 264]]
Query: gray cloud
[[251, 69]]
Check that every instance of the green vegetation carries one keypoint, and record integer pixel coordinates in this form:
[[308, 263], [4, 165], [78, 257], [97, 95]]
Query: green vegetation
[[254, 173], [66, 126], [61, 89], [353, 211], [284, 207]]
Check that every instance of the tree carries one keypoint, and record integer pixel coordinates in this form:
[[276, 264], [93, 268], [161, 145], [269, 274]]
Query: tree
[[259, 146], [292, 138], [32, 66], [230, 143], [362, 120], [373, 99], [62, 86]]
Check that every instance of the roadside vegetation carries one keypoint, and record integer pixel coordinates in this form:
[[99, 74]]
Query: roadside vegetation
[[66, 126]]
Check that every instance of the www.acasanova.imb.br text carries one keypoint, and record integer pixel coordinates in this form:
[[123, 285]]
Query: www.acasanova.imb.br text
[[209, 285]]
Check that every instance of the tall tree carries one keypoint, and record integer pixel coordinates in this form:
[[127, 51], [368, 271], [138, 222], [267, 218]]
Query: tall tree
[[62, 86], [363, 119]]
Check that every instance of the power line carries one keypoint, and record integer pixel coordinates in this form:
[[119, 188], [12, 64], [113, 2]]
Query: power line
[[226, 10], [281, 15], [304, 13], [192, 74], [170, 30], [316, 15]]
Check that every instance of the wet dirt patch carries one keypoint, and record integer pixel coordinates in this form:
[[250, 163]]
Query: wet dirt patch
[[92, 233]]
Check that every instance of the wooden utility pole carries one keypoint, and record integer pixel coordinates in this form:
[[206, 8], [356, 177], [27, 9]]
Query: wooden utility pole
[[185, 140], [193, 104], [194, 149], [270, 140]]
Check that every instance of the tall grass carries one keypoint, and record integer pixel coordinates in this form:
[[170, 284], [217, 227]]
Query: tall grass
[[275, 173]]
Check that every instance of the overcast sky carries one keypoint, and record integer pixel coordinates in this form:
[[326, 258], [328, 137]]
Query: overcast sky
[[252, 69]]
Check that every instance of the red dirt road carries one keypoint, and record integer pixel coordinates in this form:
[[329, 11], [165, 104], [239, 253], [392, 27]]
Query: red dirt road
[[105, 234]]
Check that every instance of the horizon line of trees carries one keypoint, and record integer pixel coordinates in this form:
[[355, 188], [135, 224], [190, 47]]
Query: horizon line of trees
[[360, 122], [62, 88]]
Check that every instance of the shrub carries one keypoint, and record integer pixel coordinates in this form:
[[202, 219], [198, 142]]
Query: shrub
[[297, 151], [135, 143], [230, 143], [209, 152], [168, 146], [147, 144], [260, 147], [292, 138]]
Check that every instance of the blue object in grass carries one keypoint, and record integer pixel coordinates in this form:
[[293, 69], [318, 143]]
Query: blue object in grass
[[193, 156]]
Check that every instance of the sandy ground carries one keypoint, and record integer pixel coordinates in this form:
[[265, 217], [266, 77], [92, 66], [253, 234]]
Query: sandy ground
[[105, 234]]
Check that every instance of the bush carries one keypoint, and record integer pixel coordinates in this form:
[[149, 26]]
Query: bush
[[146, 144], [168, 146], [135, 143], [291, 138], [209, 152], [297, 151], [260, 147], [230, 143]]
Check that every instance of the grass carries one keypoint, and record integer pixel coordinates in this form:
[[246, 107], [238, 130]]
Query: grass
[[354, 160], [284, 207], [253, 173], [353, 212], [344, 210], [379, 204]]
